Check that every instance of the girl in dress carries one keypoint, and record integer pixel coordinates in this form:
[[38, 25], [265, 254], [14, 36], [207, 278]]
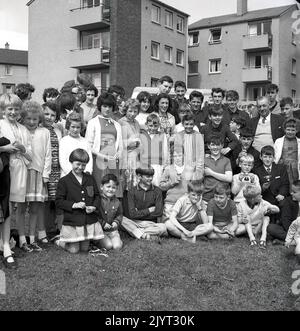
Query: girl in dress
[[53, 218], [144, 98], [71, 142], [20, 154], [38, 175], [105, 138], [131, 142], [78, 197]]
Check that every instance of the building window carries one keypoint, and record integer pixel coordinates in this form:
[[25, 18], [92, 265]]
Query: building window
[[215, 36], [155, 50], [259, 60], [180, 57], [168, 54], [8, 88], [154, 82], [193, 67], [90, 3], [92, 39], [155, 14], [215, 66], [294, 95], [180, 24], [259, 28], [294, 67], [168, 19], [194, 39], [8, 70]]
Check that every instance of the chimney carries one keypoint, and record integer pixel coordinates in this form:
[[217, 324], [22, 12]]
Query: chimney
[[242, 7], [7, 45]]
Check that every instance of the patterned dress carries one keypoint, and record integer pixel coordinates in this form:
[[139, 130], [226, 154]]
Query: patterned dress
[[55, 167]]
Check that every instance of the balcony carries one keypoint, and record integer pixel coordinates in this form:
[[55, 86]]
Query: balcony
[[93, 58], [262, 74], [89, 18], [257, 42]]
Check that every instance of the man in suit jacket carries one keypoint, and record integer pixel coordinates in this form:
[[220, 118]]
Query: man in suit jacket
[[267, 127]]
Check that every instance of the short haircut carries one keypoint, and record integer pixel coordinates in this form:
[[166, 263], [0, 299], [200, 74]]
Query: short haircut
[[180, 83], [79, 155], [131, 103], [215, 139], [222, 188], [267, 150], [153, 118], [109, 177], [239, 121], [247, 132], [9, 99], [196, 94], [50, 92], [165, 79], [74, 117], [215, 110], [272, 87], [290, 123], [144, 96], [184, 107], [158, 98], [251, 191], [92, 87], [116, 89], [106, 99], [23, 90], [246, 158], [32, 107], [195, 186], [66, 101], [188, 117], [144, 170], [286, 101], [250, 105], [217, 90], [54, 107], [232, 94]]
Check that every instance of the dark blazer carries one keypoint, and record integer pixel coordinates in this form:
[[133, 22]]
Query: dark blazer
[[276, 125], [279, 182], [4, 179], [69, 191]]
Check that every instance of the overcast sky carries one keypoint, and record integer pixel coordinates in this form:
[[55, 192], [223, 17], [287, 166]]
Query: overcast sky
[[14, 14]]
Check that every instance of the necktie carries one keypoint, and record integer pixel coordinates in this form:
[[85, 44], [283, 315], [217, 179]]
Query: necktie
[[269, 170]]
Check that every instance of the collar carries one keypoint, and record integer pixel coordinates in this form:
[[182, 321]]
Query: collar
[[74, 179], [106, 198], [268, 118], [139, 188], [268, 167], [109, 120], [210, 156]]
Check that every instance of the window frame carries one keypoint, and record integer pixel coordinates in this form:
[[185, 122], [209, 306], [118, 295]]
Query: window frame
[[155, 81], [191, 37], [158, 10], [294, 66], [172, 19], [171, 54], [210, 64], [8, 70], [180, 51], [183, 24], [193, 73], [158, 50], [210, 40]]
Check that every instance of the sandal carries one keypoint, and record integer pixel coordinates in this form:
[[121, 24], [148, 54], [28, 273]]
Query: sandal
[[262, 244], [253, 243], [10, 265]]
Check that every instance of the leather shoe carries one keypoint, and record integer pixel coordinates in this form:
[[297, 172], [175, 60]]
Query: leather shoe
[[10, 265]]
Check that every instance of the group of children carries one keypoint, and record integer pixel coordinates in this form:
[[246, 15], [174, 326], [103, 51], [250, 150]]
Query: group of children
[[186, 175]]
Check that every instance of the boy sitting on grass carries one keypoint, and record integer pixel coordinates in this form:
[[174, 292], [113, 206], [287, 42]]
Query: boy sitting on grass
[[145, 207], [253, 215], [188, 219], [222, 213]]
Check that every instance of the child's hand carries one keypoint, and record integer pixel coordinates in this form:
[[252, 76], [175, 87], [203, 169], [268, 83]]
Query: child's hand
[[45, 180], [20, 147], [114, 226], [287, 244], [208, 171], [199, 204], [151, 210], [107, 227], [90, 209], [279, 197], [189, 234], [225, 151], [79, 205]]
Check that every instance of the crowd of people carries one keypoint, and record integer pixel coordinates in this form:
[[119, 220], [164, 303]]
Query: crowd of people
[[86, 166]]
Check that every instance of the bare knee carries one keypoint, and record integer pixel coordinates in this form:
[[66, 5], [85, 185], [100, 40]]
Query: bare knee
[[117, 246]]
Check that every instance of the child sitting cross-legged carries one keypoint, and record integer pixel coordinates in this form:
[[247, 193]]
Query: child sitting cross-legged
[[245, 178], [222, 213], [188, 219], [253, 215]]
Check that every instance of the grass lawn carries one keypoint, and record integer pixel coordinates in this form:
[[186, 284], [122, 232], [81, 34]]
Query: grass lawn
[[169, 275]]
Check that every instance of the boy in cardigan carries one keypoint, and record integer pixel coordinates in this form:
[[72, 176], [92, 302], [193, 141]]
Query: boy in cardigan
[[145, 207]]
